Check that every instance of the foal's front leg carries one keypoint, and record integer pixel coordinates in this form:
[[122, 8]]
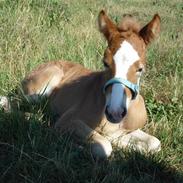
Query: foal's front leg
[[140, 141], [100, 147]]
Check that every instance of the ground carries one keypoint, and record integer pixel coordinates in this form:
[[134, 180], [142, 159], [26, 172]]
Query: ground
[[37, 31]]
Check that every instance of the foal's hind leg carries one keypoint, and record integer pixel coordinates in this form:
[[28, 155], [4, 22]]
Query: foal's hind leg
[[139, 140], [42, 81]]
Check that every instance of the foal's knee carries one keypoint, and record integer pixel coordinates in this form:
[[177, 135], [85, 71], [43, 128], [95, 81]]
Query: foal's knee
[[101, 149]]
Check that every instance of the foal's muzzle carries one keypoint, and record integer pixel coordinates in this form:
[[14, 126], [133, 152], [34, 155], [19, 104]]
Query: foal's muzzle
[[112, 119], [134, 88]]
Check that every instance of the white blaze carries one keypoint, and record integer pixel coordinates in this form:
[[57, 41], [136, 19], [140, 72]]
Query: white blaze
[[125, 56]]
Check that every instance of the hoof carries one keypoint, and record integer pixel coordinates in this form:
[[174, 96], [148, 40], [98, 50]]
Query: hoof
[[154, 145], [4, 103]]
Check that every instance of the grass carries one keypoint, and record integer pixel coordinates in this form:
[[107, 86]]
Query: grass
[[36, 31]]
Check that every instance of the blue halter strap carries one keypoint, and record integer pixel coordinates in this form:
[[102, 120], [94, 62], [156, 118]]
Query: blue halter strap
[[133, 87]]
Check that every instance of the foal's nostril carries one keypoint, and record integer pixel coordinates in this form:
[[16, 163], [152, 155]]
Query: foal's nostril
[[109, 115], [123, 113]]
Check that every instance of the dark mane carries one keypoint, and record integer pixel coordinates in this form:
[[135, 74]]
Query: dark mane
[[129, 23]]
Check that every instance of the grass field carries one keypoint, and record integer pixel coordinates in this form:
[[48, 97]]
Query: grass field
[[37, 31]]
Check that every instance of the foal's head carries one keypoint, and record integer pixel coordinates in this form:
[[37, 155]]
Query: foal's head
[[125, 57]]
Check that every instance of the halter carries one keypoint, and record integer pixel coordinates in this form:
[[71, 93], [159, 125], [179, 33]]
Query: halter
[[133, 87]]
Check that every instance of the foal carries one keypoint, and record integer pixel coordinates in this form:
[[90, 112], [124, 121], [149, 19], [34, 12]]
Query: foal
[[104, 107]]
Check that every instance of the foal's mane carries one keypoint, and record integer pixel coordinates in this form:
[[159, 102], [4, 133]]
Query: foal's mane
[[129, 23]]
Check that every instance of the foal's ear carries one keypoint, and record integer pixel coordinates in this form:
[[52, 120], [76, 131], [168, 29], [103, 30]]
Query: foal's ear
[[151, 30], [106, 26]]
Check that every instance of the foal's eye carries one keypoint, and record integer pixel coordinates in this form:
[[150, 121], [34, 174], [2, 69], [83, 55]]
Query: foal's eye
[[105, 64], [140, 69]]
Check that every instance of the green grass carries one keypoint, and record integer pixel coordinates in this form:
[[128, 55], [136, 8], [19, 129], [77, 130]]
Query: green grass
[[37, 31]]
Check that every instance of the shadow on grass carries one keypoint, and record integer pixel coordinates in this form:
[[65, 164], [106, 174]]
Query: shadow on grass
[[31, 151]]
